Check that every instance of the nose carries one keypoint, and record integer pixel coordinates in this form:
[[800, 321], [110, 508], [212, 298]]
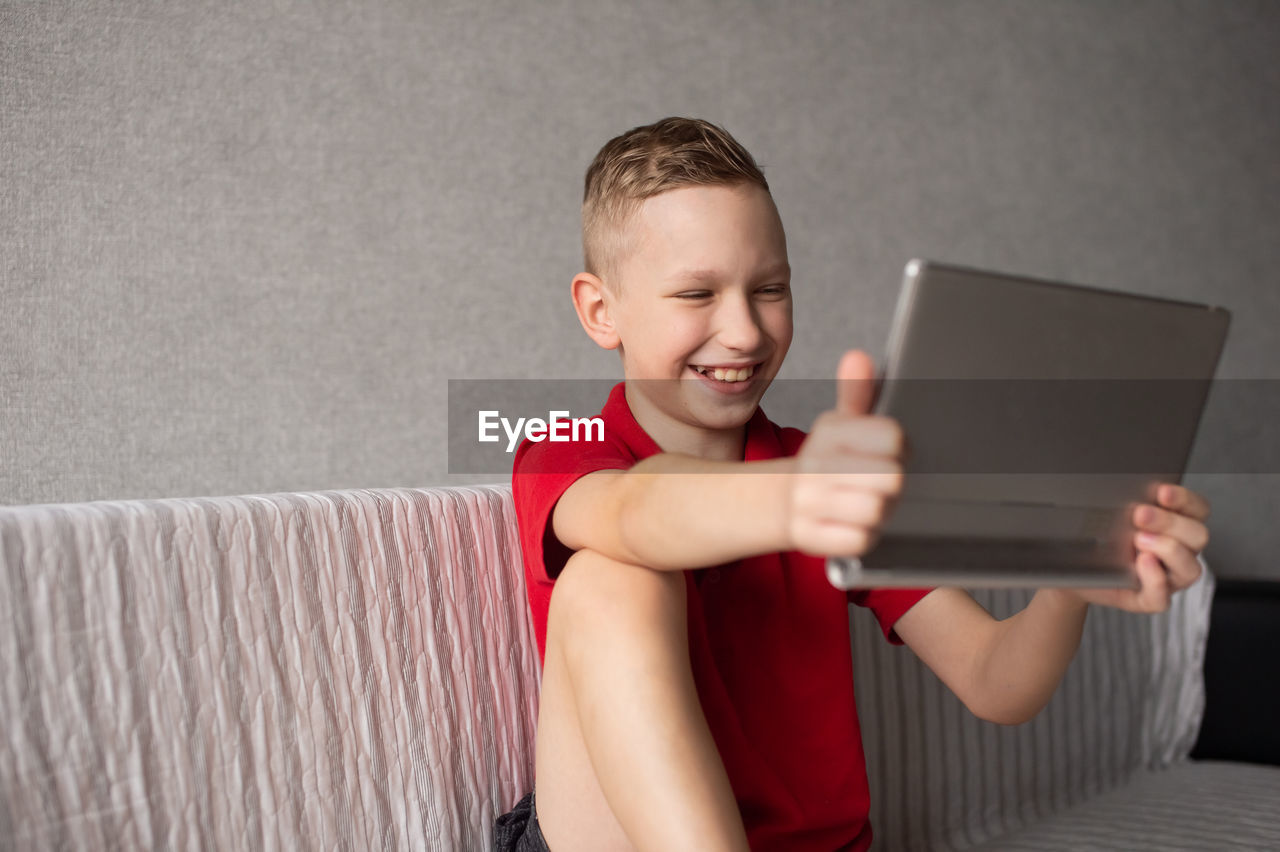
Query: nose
[[739, 326]]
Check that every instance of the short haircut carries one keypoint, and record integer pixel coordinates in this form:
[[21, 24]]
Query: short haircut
[[646, 161]]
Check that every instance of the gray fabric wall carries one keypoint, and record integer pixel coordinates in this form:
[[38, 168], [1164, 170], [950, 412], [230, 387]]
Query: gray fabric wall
[[243, 246]]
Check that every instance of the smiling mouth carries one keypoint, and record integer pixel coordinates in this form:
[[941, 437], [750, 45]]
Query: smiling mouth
[[727, 375]]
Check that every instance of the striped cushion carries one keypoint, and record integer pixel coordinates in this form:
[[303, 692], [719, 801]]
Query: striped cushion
[[942, 779], [339, 670]]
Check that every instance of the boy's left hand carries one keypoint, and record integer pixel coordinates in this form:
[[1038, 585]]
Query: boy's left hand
[[1170, 533]]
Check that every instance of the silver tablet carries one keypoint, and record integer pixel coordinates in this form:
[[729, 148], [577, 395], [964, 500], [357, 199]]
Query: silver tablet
[[1037, 414]]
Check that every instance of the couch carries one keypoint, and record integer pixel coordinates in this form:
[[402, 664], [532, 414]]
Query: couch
[[357, 670]]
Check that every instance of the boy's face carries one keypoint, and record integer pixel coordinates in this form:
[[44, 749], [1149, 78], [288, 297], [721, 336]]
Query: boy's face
[[703, 283]]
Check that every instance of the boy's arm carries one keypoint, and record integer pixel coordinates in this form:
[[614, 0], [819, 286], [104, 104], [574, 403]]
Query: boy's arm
[[677, 512], [1003, 671], [1006, 671]]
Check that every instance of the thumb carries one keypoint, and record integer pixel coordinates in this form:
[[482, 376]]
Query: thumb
[[855, 383]]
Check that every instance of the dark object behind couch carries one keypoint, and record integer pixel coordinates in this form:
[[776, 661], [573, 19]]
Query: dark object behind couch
[[1242, 674]]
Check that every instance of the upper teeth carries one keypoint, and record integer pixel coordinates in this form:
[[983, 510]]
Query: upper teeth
[[727, 375]]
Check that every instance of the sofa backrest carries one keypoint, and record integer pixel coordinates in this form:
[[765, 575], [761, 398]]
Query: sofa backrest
[[337, 670], [357, 669]]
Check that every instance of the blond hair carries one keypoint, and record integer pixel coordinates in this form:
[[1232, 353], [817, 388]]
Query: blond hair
[[648, 160]]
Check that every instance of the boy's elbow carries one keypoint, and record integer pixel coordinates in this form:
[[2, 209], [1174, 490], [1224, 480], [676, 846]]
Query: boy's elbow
[[1004, 699], [1009, 720], [1006, 713], [636, 528]]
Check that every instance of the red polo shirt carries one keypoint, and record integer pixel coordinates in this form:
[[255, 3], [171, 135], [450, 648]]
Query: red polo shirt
[[768, 643]]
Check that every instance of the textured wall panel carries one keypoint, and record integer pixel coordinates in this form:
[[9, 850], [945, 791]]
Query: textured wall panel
[[243, 246]]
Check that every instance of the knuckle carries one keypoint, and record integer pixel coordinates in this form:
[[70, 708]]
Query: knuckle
[[869, 540], [858, 541], [890, 506], [879, 511], [895, 435]]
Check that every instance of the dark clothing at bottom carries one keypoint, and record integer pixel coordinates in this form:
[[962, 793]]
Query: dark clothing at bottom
[[518, 830]]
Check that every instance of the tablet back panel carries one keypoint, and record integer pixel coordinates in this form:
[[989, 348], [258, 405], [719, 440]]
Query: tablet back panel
[[1036, 414]]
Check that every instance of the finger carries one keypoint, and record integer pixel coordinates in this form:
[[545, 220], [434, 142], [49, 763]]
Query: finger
[[855, 383], [828, 539], [1181, 565], [1183, 500], [859, 508], [1191, 532], [1153, 596], [865, 435]]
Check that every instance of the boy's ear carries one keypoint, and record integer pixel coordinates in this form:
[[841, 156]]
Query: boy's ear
[[593, 301]]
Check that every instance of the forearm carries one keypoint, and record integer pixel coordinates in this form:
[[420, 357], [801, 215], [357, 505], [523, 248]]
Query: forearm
[[1027, 657], [677, 512]]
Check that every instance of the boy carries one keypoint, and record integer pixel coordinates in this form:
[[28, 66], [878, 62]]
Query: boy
[[697, 689]]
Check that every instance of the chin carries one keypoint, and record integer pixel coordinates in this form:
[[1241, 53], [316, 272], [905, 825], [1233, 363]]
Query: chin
[[726, 415]]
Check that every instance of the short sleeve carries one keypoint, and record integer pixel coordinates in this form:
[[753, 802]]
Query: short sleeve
[[888, 605], [542, 472], [790, 439]]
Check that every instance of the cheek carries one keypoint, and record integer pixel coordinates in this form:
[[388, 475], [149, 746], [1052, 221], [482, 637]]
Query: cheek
[[684, 330], [777, 322]]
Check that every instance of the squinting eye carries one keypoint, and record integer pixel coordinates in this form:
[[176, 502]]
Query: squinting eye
[[776, 290], [699, 294]]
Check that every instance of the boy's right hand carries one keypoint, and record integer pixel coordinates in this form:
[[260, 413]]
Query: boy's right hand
[[848, 471]]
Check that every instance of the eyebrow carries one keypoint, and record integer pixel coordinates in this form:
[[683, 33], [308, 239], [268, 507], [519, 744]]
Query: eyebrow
[[711, 276]]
